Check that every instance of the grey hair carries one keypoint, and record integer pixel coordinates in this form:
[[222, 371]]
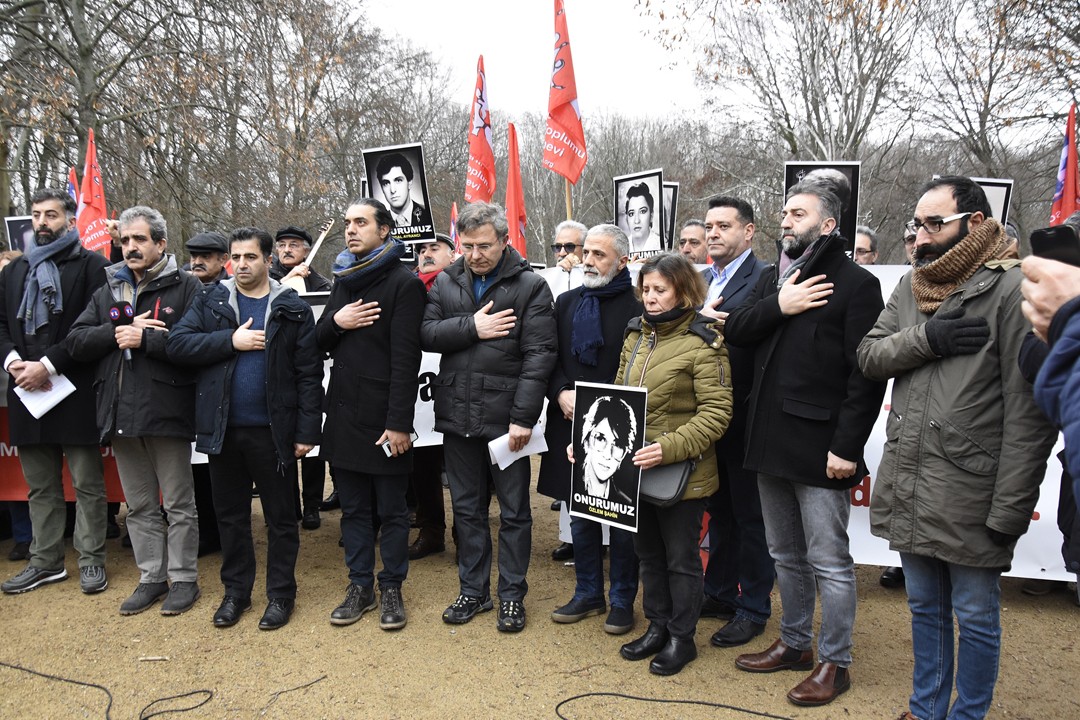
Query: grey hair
[[478, 214], [828, 202], [618, 237], [833, 181], [693, 222], [158, 230], [865, 230], [572, 225]]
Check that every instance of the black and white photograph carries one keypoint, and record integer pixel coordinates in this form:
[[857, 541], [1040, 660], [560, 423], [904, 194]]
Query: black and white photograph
[[671, 209], [998, 194], [397, 179], [843, 178], [20, 232], [609, 427], [639, 210]]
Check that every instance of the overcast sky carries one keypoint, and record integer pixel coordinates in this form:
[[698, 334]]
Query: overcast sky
[[617, 68]]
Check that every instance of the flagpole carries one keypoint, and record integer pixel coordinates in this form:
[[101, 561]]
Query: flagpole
[[569, 206]]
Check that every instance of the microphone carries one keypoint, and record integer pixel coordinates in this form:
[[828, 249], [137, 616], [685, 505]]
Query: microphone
[[121, 313]]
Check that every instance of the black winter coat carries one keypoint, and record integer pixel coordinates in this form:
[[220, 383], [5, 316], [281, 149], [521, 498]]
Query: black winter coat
[[151, 397], [615, 313], [809, 396], [485, 385], [293, 366], [72, 420], [375, 376]]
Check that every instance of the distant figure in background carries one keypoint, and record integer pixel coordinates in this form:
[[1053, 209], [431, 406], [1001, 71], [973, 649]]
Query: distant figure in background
[[866, 242], [692, 243]]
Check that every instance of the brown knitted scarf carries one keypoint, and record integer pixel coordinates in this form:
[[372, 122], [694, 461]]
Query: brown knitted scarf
[[931, 284]]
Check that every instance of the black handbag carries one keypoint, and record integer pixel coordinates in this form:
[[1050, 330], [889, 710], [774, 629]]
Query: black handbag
[[664, 485]]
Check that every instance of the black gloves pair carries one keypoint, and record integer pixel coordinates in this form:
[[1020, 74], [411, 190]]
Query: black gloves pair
[[950, 333]]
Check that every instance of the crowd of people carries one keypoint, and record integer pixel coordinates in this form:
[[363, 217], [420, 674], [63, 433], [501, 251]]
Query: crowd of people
[[764, 381]]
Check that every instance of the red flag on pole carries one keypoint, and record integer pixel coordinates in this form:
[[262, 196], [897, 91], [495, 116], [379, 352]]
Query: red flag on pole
[[453, 228], [480, 179], [91, 215], [515, 196], [1067, 192], [564, 141], [73, 185]]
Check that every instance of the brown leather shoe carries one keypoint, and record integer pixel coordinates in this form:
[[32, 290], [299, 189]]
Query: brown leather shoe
[[425, 545], [824, 685], [778, 657]]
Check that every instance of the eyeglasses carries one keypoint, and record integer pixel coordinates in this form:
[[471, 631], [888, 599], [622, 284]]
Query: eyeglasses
[[600, 442], [932, 226], [862, 252], [564, 247], [483, 248]]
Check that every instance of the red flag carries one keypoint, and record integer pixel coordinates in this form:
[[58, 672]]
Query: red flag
[[480, 179], [1067, 192], [564, 141], [453, 229], [515, 196], [91, 216], [73, 185]]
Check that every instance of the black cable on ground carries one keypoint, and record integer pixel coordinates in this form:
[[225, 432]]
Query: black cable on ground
[[47, 676], [208, 693], [704, 703]]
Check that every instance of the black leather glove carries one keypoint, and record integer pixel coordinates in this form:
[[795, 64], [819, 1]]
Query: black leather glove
[[999, 538], [950, 333]]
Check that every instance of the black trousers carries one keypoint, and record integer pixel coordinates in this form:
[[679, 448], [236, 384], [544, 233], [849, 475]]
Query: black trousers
[[248, 456]]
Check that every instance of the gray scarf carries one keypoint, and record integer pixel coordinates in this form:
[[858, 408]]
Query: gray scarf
[[42, 295]]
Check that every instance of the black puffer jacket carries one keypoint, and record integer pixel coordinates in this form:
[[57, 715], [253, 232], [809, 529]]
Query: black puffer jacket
[[294, 366], [485, 385], [150, 397]]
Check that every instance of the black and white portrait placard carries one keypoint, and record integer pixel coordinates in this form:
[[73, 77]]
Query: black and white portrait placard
[[671, 209], [842, 177], [397, 179], [609, 427], [639, 211]]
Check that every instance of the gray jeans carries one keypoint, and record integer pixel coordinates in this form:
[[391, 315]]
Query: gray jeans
[[806, 528], [149, 467]]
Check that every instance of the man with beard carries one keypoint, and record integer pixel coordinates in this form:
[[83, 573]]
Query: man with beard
[[953, 492], [426, 477], [740, 576], [810, 414], [146, 408], [591, 320], [209, 253], [41, 295], [291, 248]]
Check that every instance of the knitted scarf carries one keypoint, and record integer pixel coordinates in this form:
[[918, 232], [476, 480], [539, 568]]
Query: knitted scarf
[[586, 334], [355, 272], [932, 283], [42, 295]]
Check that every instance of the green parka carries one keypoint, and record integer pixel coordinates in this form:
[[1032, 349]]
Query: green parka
[[684, 366]]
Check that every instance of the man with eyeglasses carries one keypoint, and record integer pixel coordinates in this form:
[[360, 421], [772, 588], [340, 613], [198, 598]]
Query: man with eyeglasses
[[569, 241], [953, 493], [291, 248], [492, 319], [866, 252], [692, 242]]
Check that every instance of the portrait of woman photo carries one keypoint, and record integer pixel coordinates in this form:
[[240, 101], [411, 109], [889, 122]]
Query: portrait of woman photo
[[608, 432], [642, 224]]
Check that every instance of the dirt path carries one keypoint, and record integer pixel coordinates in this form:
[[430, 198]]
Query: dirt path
[[433, 670]]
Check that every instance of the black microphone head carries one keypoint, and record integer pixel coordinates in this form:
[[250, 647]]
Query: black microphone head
[[121, 313]]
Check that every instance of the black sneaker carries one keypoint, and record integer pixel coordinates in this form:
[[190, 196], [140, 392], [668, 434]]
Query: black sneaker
[[619, 621], [465, 608], [358, 600], [577, 609], [32, 577], [145, 595], [511, 616], [92, 579], [393, 609]]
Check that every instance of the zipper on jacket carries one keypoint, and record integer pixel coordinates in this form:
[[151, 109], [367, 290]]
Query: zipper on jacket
[[653, 342]]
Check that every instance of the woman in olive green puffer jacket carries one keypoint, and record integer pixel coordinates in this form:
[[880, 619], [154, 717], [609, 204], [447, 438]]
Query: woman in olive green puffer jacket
[[679, 357]]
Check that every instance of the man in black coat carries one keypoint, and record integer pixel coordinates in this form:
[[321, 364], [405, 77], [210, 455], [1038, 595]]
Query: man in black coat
[[371, 328], [491, 318], [41, 295], [739, 576], [146, 407], [811, 412], [258, 409], [591, 321]]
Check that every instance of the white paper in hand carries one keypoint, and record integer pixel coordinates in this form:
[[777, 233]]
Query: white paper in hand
[[499, 448], [39, 402]]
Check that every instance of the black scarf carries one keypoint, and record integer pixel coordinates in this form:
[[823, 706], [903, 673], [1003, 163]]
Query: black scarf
[[586, 335]]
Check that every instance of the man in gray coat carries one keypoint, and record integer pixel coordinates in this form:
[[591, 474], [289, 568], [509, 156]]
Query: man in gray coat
[[953, 492]]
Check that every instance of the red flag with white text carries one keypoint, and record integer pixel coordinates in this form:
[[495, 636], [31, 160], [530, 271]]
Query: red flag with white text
[[480, 178], [564, 140], [1067, 192], [453, 228], [515, 196], [91, 215]]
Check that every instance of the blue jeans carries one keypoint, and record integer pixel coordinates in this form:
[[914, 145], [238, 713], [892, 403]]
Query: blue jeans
[[807, 531], [936, 590], [362, 495], [589, 563]]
